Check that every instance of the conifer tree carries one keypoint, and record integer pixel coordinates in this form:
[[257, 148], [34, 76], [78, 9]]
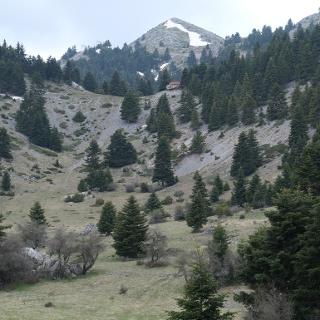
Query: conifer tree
[[67, 73], [277, 105], [99, 179], [239, 155], [93, 153], [248, 110], [6, 181], [120, 152], [37, 214], [199, 208], [5, 148], [105, 87], [187, 107], [130, 108], [239, 192], [152, 122], [89, 82], [218, 183], [195, 122], [164, 79], [201, 300], [197, 143], [214, 195], [184, 78], [254, 185], [298, 137], [55, 140], [165, 125], [192, 60], [233, 113], [153, 203], [107, 218], [130, 230], [117, 86], [163, 105], [162, 166]]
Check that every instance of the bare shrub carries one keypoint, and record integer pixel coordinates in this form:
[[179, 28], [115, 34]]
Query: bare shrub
[[156, 248], [89, 247], [130, 187], [32, 234], [269, 305], [14, 265], [179, 213], [99, 202], [158, 216]]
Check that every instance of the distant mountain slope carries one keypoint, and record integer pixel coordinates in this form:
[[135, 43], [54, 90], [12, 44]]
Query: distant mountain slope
[[180, 37]]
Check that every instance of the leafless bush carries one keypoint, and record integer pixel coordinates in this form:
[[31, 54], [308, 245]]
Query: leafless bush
[[14, 265], [130, 187], [156, 248], [179, 213], [269, 305], [89, 247], [32, 234], [158, 216]]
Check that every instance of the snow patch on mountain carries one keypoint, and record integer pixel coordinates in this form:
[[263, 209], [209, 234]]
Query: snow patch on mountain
[[164, 66], [194, 37], [141, 74]]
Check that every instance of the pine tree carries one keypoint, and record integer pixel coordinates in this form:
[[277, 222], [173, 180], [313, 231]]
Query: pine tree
[[55, 140], [153, 203], [248, 110], [184, 78], [89, 82], [6, 181], [164, 80], [120, 152], [105, 87], [192, 60], [214, 195], [162, 166], [198, 143], [67, 73], [99, 179], [130, 108], [166, 126], [152, 122], [37, 214], [187, 107], [218, 183], [239, 155], [239, 192], [277, 105], [93, 153], [195, 122], [166, 56], [107, 218], [199, 208], [201, 300], [233, 113], [298, 137], [130, 230], [5, 147], [117, 87], [254, 185]]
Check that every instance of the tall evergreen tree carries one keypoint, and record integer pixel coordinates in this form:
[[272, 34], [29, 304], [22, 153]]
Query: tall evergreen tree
[[117, 87], [130, 230], [6, 181], [89, 82], [277, 105], [218, 183], [239, 193], [195, 122], [93, 153], [192, 60], [107, 218], [153, 203], [201, 300], [37, 214], [162, 166], [130, 108], [120, 152], [164, 79], [198, 143], [5, 147], [187, 107], [199, 208]]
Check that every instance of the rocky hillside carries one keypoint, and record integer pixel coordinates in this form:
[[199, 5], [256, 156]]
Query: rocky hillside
[[180, 37]]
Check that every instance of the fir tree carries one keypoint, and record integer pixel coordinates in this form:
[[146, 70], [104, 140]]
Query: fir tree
[[153, 203], [37, 214], [195, 122], [130, 108], [166, 126], [199, 208], [93, 153], [152, 122], [5, 147], [120, 152], [277, 105], [55, 140], [248, 110], [164, 79], [239, 192], [192, 60], [105, 87], [130, 230], [201, 300], [6, 181], [117, 87], [187, 107], [218, 183], [107, 218], [198, 143], [67, 73], [99, 179], [233, 113], [254, 185], [89, 82], [184, 78], [214, 195], [162, 166]]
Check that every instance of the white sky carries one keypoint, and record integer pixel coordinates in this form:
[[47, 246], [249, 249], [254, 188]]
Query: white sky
[[49, 27]]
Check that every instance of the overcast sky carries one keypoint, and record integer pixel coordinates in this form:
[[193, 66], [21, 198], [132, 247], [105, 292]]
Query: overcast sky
[[49, 27]]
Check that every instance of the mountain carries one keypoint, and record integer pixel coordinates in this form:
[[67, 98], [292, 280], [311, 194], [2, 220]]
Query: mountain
[[306, 22], [180, 37]]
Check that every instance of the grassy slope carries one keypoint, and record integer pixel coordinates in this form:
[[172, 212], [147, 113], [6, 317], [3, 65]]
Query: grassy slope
[[150, 291]]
